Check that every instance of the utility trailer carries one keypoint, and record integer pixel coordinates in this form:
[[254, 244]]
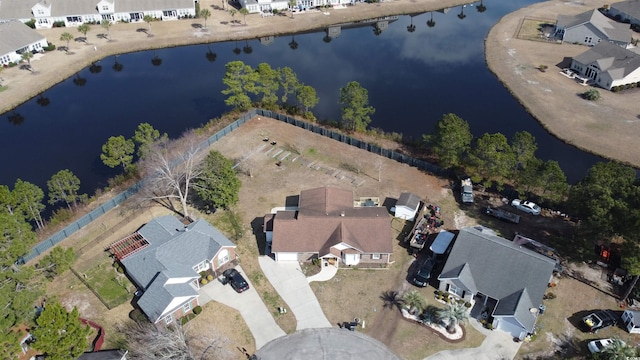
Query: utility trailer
[[503, 215]]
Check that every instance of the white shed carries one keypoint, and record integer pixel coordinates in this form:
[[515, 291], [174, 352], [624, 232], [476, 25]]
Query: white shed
[[407, 206], [631, 320]]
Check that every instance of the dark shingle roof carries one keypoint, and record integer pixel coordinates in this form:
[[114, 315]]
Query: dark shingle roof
[[481, 261]]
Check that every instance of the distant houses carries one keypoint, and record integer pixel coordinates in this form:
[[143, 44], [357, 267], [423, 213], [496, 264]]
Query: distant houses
[[590, 28], [17, 38], [626, 11], [609, 66], [72, 13]]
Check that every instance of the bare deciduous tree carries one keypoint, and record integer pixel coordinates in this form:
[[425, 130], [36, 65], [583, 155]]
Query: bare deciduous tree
[[171, 168], [147, 341]]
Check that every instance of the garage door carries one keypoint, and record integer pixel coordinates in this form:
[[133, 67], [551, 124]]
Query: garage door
[[284, 256]]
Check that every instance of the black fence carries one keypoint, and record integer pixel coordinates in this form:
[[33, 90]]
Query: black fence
[[121, 197]]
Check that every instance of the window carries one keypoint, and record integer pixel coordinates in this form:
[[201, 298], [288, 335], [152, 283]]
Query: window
[[588, 39], [74, 19], [456, 290], [375, 256], [168, 319], [201, 267], [105, 7], [169, 13], [186, 307], [223, 257], [40, 12]]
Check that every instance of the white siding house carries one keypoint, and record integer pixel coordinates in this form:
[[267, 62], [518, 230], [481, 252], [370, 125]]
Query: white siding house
[[608, 65], [17, 38], [73, 13], [590, 28], [626, 11]]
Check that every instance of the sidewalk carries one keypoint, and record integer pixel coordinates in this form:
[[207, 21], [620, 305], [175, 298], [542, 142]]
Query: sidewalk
[[289, 281], [327, 272]]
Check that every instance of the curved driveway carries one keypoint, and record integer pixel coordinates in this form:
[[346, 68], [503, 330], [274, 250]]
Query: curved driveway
[[289, 281], [254, 312]]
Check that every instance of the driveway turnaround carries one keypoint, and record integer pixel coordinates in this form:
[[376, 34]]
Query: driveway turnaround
[[497, 345], [289, 281], [254, 312]]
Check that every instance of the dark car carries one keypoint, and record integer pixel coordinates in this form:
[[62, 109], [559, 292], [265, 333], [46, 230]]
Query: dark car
[[599, 319], [237, 281], [422, 276]]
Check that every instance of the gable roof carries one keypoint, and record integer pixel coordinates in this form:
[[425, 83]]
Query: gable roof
[[612, 59], [630, 7], [327, 217], [481, 261], [610, 28], [408, 200], [15, 35]]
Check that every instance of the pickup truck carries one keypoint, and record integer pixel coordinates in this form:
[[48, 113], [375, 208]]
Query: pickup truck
[[466, 189], [599, 320], [503, 215]]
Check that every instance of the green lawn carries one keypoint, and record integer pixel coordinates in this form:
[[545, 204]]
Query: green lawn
[[113, 288]]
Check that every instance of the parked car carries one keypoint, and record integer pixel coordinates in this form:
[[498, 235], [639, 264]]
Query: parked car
[[237, 281], [526, 206], [599, 320], [596, 346], [421, 278]]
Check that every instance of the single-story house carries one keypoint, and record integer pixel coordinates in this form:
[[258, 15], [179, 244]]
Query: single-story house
[[506, 282], [164, 259], [407, 206], [74, 13], [590, 28], [17, 38], [631, 320], [258, 6], [626, 11], [327, 225], [608, 65]]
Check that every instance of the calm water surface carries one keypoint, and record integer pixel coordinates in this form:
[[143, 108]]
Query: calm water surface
[[412, 77]]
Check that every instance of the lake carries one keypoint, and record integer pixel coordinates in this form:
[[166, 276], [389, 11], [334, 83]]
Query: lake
[[413, 78]]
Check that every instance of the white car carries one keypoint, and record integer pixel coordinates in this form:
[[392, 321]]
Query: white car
[[526, 206], [596, 346]]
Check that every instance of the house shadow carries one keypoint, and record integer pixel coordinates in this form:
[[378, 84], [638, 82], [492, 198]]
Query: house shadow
[[260, 236], [292, 201], [389, 203], [565, 63]]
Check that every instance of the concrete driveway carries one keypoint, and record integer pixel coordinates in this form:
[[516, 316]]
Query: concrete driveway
[[254, 312], [289, 281], [497, 345]]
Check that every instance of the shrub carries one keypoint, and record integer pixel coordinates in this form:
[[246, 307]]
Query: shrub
[[185, 319], [31, 23], [467, 305], [197, 310], [203, 274], [489, 326], [591, 95], [209, 277], [204, 281], [49, 47], [120, 269], [58, 24]]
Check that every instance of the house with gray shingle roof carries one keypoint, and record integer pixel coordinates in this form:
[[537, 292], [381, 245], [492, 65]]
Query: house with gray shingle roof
[[17, 38], [326, 225], [608, 65], [164, 259], [76, 12], [505, 281], [590, 28], [626, 11]]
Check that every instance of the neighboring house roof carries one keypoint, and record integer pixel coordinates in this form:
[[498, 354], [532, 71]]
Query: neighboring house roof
[[104, 355], [164, 268], [481, 261], [15, 35], [610, 58], [630, 7], [408, 200], [327, 217], [613, 30]]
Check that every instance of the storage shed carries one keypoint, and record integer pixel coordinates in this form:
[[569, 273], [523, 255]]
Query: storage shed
[[407, 206], [631, 320]]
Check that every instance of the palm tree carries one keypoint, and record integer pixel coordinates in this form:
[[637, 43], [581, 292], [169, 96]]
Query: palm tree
[[26, 56], [95, 68], [65, 36], [411, 28], [247, 49], [327, 38], [106, 24], [618, 350], [414, 301], [481, 8], [233, 13], [79, 81], [292, 5], [293, 44], [461, 15], [391, 299], [431, 23], [237, 50], [453, 314], [211, 56], [205, 13], [156, 61], [43, 101], [429, 314], [84, 29], [148, 19], [117, 66], [244, 13], [376, 30], [15, 118]]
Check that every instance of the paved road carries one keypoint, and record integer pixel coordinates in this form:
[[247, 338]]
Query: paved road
[[289, 281], [254, 312]]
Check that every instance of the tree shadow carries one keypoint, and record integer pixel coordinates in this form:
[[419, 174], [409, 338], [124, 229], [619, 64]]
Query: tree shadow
[[224, 22], [392, 299], [62, 48], [261, 237], [103, 36], [196, 26], [81, 39], [143, 30]]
